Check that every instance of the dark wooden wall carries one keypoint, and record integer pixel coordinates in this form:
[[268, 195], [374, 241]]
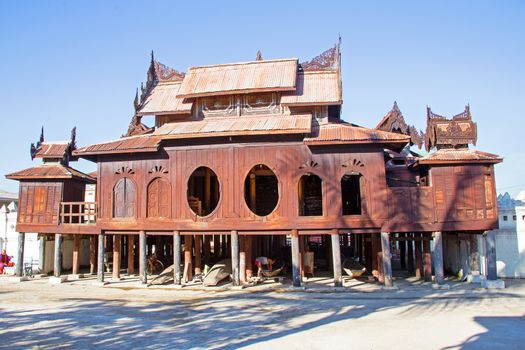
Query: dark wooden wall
[[39, 202]]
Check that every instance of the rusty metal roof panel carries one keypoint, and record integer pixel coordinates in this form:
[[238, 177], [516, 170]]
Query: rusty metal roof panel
[[463, 155], [314, 88], [236, 126], [256, 76], [142, 143], [163, 99], [350, 133], [49, 171], [52, 149]]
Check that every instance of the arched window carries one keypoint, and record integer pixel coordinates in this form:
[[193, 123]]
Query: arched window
[[203, 191], [124, 199], [351, 193], [310, 195], [261, 190], [158, 198]]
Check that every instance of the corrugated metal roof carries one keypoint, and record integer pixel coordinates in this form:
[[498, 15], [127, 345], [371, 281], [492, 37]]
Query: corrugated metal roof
[[460, 155], [314, 87], [49, 171], [52, 149], [256, 76], [142, 143], [163, 99], [349, 133], [237, 126]]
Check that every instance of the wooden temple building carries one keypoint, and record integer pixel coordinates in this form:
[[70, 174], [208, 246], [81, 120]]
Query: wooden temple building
[[254, 159]]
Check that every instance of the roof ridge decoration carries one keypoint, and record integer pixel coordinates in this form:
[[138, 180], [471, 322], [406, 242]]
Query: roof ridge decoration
[[457, 132], [61, 151], [34, 148], [259, 56], [394, 122], [329, 59]]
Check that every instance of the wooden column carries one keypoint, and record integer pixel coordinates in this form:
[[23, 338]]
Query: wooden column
[[418, 254], [92, 254], [387, 264], [58, 255], [41, 253], [235, 257], [301, 255], [427, 259], [188, 242], [216, 247], [206, 249], [242, 259], [249, 256], [402, 251], [100, 264], [410, 253], [76, 254], [117, 241], [143, 252], [490, 244], [198, 257], [176, 258], [296, 273], [438, 258], [374, 242], [131, 255], [19, 268], [224, 247], [336, 258]]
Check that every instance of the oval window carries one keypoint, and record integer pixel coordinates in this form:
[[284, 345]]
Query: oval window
[[203, 191], [261, 190]]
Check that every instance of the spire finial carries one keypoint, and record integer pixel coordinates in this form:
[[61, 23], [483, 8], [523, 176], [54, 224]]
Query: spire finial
[[136, 100], [259, 56], [42, 135], [152, 56]]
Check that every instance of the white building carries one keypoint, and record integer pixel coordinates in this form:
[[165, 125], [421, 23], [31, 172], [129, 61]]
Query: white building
[[510, 238], [8, 234]]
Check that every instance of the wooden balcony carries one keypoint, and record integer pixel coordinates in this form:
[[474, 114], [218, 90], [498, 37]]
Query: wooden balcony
[[78, 213]]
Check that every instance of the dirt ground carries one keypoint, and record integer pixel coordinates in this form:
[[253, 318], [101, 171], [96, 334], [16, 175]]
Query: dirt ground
[[81, 315]]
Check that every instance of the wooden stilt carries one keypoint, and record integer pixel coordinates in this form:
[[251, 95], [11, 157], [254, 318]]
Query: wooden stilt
[[296, 273], [419, 256], [76, 254], [427, 261], [131, 254], [410, 253], [375, 250], [402, 251], [301, 255], [188, 242], [206, 250], [438, 258], [216, 247], [58, 255], [19, 267], [242, 259], [224, 247], [100, 263], [249, 256], [92, 255], [176, 257], [198, 256], [41, 252], [117, 240]]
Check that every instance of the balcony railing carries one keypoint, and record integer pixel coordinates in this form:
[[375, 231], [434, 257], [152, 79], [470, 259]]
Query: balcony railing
[[78, 213]]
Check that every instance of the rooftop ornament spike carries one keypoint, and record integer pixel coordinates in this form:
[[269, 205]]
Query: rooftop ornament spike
[[457, 132], [329, 59], [34, 148], [259, 56], [395, 122]]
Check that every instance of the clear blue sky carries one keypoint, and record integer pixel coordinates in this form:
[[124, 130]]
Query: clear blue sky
[[78, 63]]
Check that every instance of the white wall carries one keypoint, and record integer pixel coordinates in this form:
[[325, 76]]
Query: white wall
[[510, 243]]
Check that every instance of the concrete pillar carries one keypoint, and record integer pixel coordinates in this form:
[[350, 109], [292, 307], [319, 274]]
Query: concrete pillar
[[490, 243], [438, 258], [142, 257], [234, 239], [117, 240], [336, 259], [41, 252], [19, 268], [296, 273], [76, 254], [101, 249], [242, 259], [419, 255], [387, 264], [176, 258], [58, 255]]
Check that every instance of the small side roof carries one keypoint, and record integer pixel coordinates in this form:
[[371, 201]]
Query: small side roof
[[246, 77], [463, 155], [49, 171], [55, 149]]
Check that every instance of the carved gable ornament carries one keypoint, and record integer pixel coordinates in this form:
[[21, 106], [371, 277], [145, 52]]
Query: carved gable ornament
[[158, 169], [394, 122], [124, 170], [458, 132], [354, 165]]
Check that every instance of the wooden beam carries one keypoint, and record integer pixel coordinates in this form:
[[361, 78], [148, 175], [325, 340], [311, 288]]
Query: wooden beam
[[387, 264], [249, 256], [402, 251], [206, 250], [131, 254], [117, 241], [188, 242], [410, 253], [438, 258], [427, 261], [100, 264], [198, 255], [419, 256], [92, 254]]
